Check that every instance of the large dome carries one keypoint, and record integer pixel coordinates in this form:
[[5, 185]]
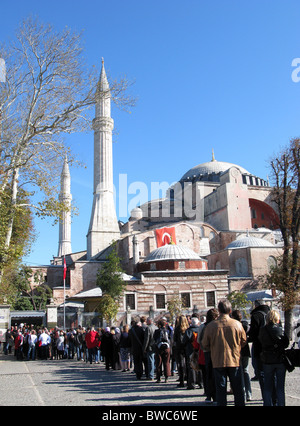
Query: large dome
[[172, 252], [249, 242], [211, 168]]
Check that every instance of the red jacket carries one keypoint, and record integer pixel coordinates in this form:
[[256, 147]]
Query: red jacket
[[91, 339], [18, 341]]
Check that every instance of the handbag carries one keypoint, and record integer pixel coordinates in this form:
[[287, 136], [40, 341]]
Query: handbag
[[288, 363], [294, 355]]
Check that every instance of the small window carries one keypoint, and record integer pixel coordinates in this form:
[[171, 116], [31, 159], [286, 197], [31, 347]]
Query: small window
[[153, 266], [160, 301], [241, 267], [186, 300], [210, 298], [130, 301]]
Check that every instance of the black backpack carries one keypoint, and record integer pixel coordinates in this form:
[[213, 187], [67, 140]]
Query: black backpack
[[163, 340]]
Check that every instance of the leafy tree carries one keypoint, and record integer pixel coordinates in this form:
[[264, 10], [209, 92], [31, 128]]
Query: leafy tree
[[48, 93], [278, 279], [109, 279], [238, 300], [22, 237], [285, 178], [175, 306], [108, 308], [28, 290]]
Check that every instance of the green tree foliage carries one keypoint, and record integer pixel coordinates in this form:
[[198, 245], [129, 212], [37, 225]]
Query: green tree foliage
[[22, 237], [175, 306], [238, 300], [109, 279], [27, 290], [108, 308]]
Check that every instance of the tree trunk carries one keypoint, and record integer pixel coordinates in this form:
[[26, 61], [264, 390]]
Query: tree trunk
[[288, 320], [13, 208], [10, 224]]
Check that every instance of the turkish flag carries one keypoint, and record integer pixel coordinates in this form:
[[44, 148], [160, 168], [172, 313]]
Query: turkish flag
[[65, 268], [165, 236]]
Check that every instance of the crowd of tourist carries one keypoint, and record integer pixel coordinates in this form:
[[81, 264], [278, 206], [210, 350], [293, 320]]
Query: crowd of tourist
[[203, 351]]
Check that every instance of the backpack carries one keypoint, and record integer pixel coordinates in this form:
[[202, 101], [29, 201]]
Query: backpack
[[194, 341], [163, 340]]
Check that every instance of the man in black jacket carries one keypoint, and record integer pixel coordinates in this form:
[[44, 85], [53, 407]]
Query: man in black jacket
[[258, 320], [187, 342], [136, 338]]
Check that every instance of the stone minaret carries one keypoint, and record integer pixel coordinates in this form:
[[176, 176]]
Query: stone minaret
[[64, 242], [104, 227]]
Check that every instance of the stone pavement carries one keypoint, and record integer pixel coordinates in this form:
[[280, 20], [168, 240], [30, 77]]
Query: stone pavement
[[76, 383]]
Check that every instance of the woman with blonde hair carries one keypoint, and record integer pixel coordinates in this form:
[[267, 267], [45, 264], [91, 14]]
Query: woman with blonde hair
[[181, 325], [125, 348], [273, 341]]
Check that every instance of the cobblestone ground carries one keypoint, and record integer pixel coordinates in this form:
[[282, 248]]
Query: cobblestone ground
[[76, 383]]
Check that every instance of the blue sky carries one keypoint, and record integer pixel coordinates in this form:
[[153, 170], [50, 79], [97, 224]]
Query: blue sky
[[208, 75]]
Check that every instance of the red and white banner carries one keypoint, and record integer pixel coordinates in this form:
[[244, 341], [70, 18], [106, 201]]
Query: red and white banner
[[165, 236]]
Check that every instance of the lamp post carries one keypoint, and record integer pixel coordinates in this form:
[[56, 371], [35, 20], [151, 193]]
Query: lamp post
[[151, 312]]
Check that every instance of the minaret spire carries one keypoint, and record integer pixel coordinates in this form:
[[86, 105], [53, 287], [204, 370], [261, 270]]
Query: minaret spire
[[65, 197], [104, 227], [213, 156]]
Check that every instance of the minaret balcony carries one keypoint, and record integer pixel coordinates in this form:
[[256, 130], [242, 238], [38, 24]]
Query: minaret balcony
[[103, 123]]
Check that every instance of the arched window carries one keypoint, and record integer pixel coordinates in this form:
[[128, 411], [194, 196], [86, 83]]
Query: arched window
[[241, 267]]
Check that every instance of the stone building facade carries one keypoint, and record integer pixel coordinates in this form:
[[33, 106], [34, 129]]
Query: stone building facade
[[220, 219]]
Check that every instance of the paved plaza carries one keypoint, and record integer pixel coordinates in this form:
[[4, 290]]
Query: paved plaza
[[76, 383]]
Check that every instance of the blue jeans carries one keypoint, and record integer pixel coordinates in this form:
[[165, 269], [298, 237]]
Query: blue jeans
[[271, 372], [235, 377], [246, 377], [6, 348], [151, 364], [79, 352], [31, 350]]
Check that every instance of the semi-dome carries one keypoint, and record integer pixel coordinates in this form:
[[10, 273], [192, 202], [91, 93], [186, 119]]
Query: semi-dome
[[136, 213], [172, 252], [249, 242], [210, 169]]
